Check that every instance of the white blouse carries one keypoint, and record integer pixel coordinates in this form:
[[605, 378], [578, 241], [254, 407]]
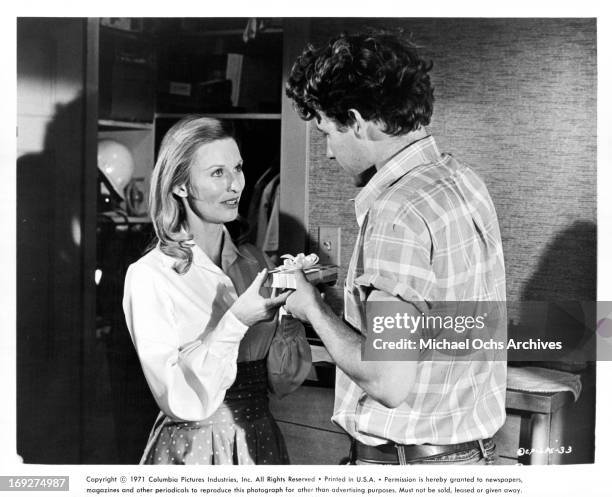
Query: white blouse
[[187, 339]]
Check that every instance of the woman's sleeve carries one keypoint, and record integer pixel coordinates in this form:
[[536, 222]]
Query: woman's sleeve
[[188, 382], [289, 358]]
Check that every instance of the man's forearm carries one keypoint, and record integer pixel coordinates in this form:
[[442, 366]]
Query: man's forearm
[[383, 381], [341, 341]]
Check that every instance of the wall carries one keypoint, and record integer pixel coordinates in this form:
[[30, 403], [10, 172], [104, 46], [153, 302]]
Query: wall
[[515, 99]]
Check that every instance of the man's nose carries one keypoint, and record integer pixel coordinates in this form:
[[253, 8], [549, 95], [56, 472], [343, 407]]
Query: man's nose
[[329, 152]]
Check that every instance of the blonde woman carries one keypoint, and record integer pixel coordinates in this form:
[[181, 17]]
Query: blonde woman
[[207, 334]]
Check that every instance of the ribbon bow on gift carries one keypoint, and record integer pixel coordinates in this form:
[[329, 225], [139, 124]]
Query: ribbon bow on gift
[[299, 261]]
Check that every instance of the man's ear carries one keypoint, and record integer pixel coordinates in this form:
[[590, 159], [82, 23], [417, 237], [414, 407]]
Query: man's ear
[[359, 124], [180, 191]]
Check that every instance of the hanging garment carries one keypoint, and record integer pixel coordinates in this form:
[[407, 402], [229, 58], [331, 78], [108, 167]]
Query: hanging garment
[[265, 210], [253, 211]]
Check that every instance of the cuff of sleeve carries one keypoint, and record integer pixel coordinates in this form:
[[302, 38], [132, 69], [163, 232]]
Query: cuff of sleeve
[[393, 287], [226, 337], [234, 326]]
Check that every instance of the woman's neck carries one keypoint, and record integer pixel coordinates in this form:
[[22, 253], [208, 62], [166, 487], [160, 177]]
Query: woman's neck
[[209, 237]]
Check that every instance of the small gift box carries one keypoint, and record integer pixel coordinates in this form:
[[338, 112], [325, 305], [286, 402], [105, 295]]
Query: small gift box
[[284, 276]]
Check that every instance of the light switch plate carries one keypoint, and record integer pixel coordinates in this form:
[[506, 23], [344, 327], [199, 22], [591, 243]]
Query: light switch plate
[[329, 245]]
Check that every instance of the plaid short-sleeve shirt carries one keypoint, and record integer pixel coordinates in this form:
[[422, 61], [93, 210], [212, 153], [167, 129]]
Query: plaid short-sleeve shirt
[[428, 232]]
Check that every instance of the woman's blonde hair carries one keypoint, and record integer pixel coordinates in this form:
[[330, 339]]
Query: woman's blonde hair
[[172, 170]]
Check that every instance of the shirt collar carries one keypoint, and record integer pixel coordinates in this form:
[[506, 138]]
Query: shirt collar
[[422, 151], [229, 254]]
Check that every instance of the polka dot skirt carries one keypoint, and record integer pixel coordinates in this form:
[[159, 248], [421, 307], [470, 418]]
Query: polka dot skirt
[[240, 431]]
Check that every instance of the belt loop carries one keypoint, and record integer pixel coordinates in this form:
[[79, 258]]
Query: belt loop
[[487, 458], [352, 458], [401, 454]]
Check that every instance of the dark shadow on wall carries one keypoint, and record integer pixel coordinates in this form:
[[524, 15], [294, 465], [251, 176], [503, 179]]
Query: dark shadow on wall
[[558, 304], [56, 423], [554, 300], [48, 349], [568, 267]]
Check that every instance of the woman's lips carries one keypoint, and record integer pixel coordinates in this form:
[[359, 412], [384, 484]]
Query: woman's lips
[[231, 203]]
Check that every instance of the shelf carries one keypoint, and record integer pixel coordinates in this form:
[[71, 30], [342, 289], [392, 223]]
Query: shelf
[[110, 124], [221, 115], [230, 32], [120, 219]]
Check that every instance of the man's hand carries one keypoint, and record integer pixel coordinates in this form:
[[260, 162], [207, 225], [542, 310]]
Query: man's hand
[[305, 299], [388, 382], [251, 307]]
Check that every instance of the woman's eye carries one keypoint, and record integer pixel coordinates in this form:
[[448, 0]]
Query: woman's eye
[[239, 168], [218, 172]]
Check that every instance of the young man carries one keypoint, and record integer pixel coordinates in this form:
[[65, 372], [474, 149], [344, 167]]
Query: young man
[[428, 234]]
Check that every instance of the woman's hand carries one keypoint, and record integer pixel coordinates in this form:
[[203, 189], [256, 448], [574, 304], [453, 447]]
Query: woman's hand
[[250, 307]]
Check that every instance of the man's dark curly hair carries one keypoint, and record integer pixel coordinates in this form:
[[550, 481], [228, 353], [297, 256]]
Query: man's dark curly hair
[[380, 74]]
